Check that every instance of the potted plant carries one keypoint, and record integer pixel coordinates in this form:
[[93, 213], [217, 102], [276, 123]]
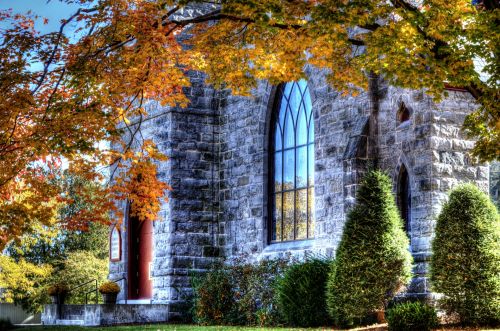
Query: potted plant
[[109, 291], [58, 293]]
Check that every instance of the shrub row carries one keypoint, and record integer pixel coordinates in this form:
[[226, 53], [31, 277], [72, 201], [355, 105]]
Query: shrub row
[[411, 316], [272, 292], [301, 293], [240, 293], [373, 264]]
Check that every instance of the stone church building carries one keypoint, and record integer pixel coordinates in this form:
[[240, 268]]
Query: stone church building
[[276, 173]]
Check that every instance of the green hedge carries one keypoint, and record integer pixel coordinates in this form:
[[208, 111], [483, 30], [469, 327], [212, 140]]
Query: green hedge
[[465, 264], [373, 262], [301, 293], [214, 297], [411, 316], [239, 293]]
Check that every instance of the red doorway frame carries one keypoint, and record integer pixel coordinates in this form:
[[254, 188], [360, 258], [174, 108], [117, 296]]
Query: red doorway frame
[[140, 258]]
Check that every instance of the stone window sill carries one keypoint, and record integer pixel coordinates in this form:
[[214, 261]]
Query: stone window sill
[[289, 246], [404, 125]]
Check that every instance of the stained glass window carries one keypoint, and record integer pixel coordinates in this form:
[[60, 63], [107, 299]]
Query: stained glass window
[[292, 165]]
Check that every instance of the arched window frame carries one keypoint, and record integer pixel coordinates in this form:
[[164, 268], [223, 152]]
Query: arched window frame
[[403, 114], [276, 234], [115, 229], [404, 197]]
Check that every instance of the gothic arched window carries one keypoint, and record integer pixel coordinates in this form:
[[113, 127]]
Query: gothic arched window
[[292, 165], [115, 245], [404, 197], [403, 114]]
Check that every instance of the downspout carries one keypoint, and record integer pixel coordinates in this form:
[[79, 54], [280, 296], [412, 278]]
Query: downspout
[[374, 95]]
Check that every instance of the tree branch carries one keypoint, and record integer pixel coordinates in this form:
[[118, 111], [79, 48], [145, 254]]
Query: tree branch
[[56, 46]]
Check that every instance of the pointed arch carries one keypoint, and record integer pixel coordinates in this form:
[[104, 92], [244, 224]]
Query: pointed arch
[[403, 114], [291, 173]]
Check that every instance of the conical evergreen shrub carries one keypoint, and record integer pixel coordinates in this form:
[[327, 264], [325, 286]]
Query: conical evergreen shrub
[[373, 262], [465, 264]]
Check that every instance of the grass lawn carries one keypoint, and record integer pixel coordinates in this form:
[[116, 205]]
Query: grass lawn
[[158, 327], [179, 327]]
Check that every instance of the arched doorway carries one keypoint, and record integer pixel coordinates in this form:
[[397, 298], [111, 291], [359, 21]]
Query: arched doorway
[[140, 257], [404, 197]]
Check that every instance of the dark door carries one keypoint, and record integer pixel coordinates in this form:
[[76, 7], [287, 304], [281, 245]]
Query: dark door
[[140, 259]]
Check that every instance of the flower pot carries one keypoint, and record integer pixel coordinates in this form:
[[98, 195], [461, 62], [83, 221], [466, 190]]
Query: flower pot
[[58, 299], [381, 316], [109, 298]]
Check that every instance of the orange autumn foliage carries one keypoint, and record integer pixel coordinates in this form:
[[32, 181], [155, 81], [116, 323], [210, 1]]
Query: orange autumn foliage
[[67, 92]]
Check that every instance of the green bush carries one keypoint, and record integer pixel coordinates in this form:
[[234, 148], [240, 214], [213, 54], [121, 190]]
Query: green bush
[[254, 285], [373, 262], [411, 316], [213, 297], [239, 293], [465, 264], [301, 293]]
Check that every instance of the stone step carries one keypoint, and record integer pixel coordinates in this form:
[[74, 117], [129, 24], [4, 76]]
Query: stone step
[[70, 322], [73, 317]]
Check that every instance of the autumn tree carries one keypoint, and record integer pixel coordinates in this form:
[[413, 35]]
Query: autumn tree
[[24, 283], [57, 253], [93, 88]]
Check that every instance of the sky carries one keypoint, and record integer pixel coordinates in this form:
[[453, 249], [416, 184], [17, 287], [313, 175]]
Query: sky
[[53, 10]]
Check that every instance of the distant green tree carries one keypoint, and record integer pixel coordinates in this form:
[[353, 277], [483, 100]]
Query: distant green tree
[[465, 264], [72, 255], [54, 243], [372, 262], [77, 268], [24, 283]]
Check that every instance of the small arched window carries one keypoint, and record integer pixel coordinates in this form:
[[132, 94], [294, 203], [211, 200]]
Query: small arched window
[[292, 166], [403, 114], [115, 245], [404, 197]]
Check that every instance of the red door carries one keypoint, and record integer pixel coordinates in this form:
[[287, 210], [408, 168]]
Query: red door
[[140, 259]]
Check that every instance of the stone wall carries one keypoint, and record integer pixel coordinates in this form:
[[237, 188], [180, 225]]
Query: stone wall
[[244, 169], [191, 146], [97, 315], [218, 168], [495, 183], [435, 154]]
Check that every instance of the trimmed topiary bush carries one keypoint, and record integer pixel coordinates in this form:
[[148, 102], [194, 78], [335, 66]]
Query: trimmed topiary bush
[[465, 264], [373, 262], [301, 293], [411, 316]]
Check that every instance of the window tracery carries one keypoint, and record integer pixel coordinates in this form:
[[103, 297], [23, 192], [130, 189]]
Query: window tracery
[[292, 195]]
